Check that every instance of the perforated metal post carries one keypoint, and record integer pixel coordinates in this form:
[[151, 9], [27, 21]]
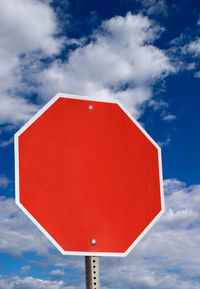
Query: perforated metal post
[[92, 272]]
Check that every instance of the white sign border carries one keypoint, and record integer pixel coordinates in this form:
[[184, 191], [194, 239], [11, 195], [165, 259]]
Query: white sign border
[[17, 197]]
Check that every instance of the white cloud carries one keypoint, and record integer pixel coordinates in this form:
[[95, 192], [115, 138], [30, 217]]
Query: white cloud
[[184, 46], [197, 74], [165, 142], [25, 269], [57, 274], [15, 109], [14, 282], [5, 143], [181, 218], [155, 7], [169, 117], [25, 26], [173, 185], [4, 181], [120, 61], [193, 47]]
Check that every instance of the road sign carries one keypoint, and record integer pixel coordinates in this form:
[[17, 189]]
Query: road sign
[[88, 175]]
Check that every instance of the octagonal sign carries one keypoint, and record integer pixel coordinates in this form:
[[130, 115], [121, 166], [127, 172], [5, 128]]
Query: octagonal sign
[[88, 175]]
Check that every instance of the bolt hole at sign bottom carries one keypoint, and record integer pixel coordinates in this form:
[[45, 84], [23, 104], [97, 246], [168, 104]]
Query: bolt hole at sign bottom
[[93, 242]]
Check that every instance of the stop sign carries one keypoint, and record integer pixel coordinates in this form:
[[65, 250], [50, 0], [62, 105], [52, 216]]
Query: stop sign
[[88, 175]]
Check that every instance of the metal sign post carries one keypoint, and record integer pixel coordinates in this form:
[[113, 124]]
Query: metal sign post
[[92, 272]]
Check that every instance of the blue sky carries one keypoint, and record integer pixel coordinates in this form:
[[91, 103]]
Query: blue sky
[[143, 52]]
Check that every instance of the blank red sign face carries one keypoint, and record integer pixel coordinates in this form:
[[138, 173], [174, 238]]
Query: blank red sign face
[[85, 170]]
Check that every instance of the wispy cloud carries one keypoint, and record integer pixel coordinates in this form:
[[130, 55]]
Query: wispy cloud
[[4, 181], [185, 50], [5, 143], [193, 47], [155, 7], [169, 117], [57, 274], [165, 142], [25, 269]]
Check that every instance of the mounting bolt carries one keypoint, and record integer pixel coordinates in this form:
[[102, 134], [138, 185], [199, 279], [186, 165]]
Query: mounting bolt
[[93, 242], [90, 107]]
